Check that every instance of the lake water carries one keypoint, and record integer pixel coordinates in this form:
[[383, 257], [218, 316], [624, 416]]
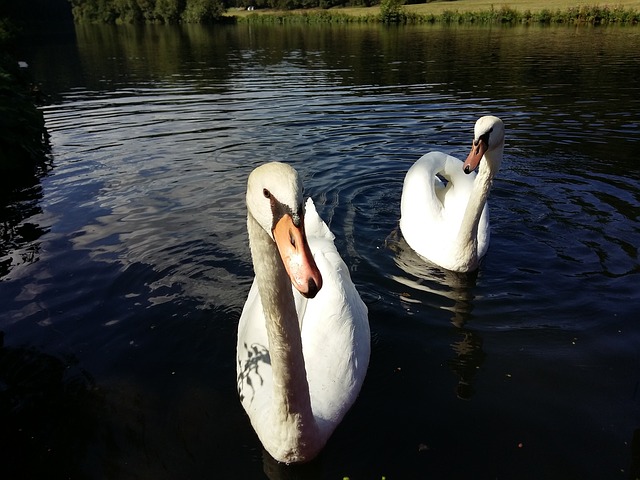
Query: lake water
[[124, 269]]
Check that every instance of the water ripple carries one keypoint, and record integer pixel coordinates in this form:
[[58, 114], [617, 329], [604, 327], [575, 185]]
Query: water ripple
[[132, 254]]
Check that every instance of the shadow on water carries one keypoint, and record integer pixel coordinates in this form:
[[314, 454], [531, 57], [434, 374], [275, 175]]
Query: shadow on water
[[48, 410], [634, 470], [156, 417], [454, 292], [275, 470]]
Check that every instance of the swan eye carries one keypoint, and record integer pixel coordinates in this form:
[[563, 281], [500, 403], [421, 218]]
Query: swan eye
[[266, 193], [485, 137]]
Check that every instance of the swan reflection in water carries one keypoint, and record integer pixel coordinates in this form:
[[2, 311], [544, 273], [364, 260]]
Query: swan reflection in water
[[454, 292]]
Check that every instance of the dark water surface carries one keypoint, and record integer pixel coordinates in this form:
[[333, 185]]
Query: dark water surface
[[125, 268]]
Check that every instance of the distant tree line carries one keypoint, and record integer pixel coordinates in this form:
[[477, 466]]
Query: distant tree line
[[147, 11], [189, 11]]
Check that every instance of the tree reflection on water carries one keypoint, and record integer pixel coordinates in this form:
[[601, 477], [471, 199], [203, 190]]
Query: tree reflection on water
[[20, 195]]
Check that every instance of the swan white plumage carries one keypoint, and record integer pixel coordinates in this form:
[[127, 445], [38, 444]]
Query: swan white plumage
[[447, 222], [302, 352]]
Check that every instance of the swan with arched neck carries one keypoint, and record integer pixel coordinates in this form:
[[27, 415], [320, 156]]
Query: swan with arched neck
[[303, 337], [444, 216]]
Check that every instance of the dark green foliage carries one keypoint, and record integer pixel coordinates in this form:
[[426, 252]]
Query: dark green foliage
[[202, 11], [391, 11], [147, 11], [7, 32], [22, 133]]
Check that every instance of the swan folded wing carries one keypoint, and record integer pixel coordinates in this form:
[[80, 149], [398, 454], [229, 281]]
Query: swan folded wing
[[434, 197], [458, 191], [335, 339], [484, 232], [421, 206]]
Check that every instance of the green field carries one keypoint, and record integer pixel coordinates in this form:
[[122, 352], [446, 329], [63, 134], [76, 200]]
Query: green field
[[519, 5], [462, 6]]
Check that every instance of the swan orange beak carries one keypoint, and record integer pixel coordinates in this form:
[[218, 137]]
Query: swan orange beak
[[475, 155], [296, 256]]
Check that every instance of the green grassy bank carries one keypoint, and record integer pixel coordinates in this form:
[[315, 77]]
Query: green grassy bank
[[460, 11]]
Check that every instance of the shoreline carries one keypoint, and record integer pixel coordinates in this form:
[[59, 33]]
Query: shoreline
[[461, 11]]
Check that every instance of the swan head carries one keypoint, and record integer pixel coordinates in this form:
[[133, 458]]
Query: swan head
[[275, 201], [488, 138]]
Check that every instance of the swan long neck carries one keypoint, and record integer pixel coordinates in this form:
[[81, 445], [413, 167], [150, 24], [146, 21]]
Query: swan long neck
[[291, 399], [468, 233]]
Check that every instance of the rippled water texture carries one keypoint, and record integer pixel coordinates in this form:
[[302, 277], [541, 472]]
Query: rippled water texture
[[125, 268]]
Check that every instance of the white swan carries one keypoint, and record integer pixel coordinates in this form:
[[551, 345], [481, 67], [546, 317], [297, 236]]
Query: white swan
[[447, 222], [302, 352]]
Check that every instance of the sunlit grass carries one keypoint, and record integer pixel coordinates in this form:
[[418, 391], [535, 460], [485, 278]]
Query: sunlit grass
[[439, 7], [462, 11]]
